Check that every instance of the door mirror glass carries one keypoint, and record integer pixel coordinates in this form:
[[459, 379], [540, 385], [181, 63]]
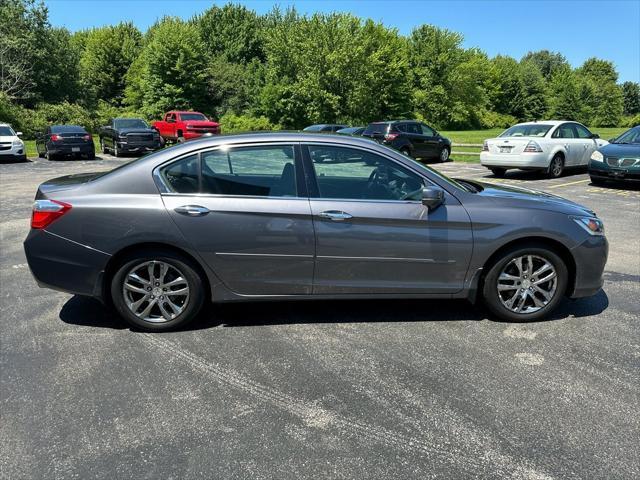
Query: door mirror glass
[[432, 197]]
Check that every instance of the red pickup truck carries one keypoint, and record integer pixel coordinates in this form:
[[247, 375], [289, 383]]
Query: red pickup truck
[[180, 126]]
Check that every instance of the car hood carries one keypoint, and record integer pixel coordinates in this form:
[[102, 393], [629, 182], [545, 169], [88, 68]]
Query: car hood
[[125, 131], [524, 197], [619, 150], [8, 138]]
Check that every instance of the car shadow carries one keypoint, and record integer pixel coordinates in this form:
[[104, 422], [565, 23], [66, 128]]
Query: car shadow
[[617, 185], [536, 175], [89, 312]]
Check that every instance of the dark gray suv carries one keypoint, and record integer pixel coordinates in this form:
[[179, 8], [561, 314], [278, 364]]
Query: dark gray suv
[[300, 216]]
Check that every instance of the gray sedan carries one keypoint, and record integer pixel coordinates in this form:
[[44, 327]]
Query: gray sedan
[[302, 216]]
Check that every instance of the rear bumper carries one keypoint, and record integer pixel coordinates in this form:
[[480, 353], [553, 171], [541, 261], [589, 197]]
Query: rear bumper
[[84, 149], [591, 258], [525, 160], [61, 264]]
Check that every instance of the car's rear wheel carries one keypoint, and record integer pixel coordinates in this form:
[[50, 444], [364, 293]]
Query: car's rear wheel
[[103, 147], [556, 167], [444, 154], [157, 290], [526, 283], [405, 151], [48, 155], [498, 172]]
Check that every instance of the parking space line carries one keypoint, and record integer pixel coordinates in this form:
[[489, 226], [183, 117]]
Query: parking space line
[[570, 183]]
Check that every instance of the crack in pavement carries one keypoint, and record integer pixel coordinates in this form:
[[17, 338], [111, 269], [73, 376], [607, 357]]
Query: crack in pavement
[[317, 417]]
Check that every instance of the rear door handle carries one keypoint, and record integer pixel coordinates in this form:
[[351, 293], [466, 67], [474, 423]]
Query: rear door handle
[[335, 215], [192, 210]]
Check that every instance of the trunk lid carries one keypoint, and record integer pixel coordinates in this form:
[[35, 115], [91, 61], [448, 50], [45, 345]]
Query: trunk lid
[[67, 182], [509, 145]]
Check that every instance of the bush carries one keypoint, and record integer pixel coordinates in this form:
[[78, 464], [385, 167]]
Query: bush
[[632, 121], [10, 112], [232, 123], [496, 120]]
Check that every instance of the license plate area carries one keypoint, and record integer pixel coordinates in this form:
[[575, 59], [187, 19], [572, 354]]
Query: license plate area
[[505, 149], [75, 149], [618, 173]]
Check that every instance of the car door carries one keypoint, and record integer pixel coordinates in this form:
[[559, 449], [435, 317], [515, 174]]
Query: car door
[[414, 134], [588, 143], [245, 210], [110, 134], [565, 135], [431, 141], [373, 235]]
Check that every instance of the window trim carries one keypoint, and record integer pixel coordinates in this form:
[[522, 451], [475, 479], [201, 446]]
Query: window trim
[[301, 183], [314, 190]]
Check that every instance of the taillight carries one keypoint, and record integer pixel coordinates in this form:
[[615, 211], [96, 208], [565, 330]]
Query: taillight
[[55, 138], [86, 138], [391, 136], [485, 146], [532, 147], [46, 211]]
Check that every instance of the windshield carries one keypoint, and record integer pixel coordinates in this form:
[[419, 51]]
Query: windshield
[[192, 116], [130, 123], [6, 131], [527, 130], [630, 136]]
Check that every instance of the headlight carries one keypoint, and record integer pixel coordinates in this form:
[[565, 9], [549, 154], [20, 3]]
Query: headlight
[[592, 225], [597, 156], [18, 143]]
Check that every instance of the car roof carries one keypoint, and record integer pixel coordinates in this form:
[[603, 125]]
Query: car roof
[[185, 111], [546, 122]]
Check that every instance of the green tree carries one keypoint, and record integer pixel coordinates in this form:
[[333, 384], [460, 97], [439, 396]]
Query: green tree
[[107, 54], [601, 99], [631, 95], [504, 86], [232, 32], [170, 70], [564, 101], [532, 101], [547, 62]]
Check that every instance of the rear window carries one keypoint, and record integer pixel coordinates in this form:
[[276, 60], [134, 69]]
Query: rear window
[[67, 129], [528, 130], [374, 128], [192, 116]]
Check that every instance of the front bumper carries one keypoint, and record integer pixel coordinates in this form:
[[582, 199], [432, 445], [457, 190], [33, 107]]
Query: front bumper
[[61, 264], [524, 160], [139, 147], [590, 258], [16, 152], [602, 171]]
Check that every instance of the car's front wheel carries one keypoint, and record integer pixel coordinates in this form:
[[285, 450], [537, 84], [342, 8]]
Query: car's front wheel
[[498, 172], [526, 283], [157, 290], [444, 155]]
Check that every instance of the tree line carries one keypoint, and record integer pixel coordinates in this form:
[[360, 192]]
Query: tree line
[[287, 70]]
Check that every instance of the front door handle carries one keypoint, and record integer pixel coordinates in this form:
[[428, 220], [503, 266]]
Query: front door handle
[[335, 215], [192, 210]]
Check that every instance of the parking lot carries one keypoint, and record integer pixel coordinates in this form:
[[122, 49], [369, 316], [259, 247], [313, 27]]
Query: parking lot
[[333, 389]]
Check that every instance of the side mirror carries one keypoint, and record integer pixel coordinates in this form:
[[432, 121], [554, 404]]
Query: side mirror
[[595, 135], [432, 197], [18, 134]]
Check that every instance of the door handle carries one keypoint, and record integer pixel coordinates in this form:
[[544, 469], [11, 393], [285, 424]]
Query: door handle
[[335, 215], [192, 210]]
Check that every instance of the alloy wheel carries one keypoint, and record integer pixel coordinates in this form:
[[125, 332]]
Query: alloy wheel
[[444, 155], [527, 284], [155, 291], [556, 166]]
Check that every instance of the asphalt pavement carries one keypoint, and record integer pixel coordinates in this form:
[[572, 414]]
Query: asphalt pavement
[[332, 389]]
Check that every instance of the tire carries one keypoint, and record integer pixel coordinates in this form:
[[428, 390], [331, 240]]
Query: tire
[[189, 304], [444, 155], [103, 147], [406, 151], [498, 172], [506, 263], [556, 167], [597, 182], [49, 156], [91, 156], [115, 152], [181, 140]]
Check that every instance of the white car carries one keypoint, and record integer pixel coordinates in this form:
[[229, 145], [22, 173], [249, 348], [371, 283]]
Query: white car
[[11, 147], [549, 146]]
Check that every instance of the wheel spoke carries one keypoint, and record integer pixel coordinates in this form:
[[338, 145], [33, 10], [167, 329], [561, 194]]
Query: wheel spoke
[[522, 299], [135, 305], [551, 276], [182, 291], [145, 313], [529, 265], [165, 313], [506, 276], [518, 263], [138, 278], [546, 295], [504, 287], [176, 309], [133, 288], [542, 269], [163, 271], [177, 281], [151, 269]]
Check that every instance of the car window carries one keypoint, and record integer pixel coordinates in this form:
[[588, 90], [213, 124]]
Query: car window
[[347, 173], [427, 130], [267, 171], [564, 131], [376, 128], [413, 128], [182, 176], [582, 131]]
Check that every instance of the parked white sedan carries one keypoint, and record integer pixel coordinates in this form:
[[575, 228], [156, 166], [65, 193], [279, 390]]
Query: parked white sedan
[[11, 147], [550, 146]]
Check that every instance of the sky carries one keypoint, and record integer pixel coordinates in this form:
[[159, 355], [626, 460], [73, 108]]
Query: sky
[[578, 29]]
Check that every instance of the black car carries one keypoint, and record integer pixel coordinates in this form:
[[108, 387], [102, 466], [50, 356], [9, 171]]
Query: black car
[[410, 137], [324, 128], [60, 141], [129, 135], [353, 131]]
